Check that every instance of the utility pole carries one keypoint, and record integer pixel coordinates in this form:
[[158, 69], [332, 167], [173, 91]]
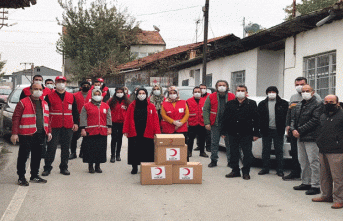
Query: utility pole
[[32, 69], [205, 10], [196, 30]]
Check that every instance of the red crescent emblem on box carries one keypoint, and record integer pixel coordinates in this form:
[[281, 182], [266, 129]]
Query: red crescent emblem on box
[[160, 171], [175, 152], [188, 171]]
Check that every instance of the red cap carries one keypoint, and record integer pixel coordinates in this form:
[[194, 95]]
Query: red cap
[[60, 78], [101, 80]]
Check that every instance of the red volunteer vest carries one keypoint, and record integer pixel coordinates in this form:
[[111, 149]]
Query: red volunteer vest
[[214, 105], [118, 113], [27, 125], [175, 113], [81, 101], [104, 92], [96, 119], [195, 112], [46, 91], [61, 112]]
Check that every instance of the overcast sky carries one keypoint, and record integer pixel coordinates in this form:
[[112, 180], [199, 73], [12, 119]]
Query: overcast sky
[[33, 36]]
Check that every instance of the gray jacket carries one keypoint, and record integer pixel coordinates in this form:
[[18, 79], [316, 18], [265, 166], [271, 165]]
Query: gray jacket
[[306, 119]]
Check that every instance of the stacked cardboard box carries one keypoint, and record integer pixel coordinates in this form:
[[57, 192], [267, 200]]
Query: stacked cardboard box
[[170, 164]]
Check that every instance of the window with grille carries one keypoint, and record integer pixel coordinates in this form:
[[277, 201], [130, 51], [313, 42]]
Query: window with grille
[[237, 78], [320, 72]]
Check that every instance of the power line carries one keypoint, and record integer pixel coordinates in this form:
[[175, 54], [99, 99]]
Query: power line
[[170, 10]]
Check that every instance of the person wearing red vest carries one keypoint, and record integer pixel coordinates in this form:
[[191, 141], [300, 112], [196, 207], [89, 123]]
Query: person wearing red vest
[[36, 79], [174, 113], [64, 118], [118, 104], [196, 127], [140, 126], [30, 126], [213, 117], [95, 124], [82, 97]]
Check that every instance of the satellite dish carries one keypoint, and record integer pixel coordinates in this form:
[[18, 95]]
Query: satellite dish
[[252, 28], [156, 28]]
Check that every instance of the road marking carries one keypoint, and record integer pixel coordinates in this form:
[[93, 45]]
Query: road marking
[[15, 204]]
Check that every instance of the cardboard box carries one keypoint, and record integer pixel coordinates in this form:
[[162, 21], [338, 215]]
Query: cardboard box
[[167, 155], [188, 174], [169, 140], [152, 174]]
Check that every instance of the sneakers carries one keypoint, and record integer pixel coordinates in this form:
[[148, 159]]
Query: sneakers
[[37, 179], [203, 155], [313, 191], [23, 182], [118, 158], [65, 172], [46, 173], [302, 187], [263, 172], [213, 164]]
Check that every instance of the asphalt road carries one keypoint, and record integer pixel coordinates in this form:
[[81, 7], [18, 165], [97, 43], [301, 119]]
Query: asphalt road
[[117, 195]]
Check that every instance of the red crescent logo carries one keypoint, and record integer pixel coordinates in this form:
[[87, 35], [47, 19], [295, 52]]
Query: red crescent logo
[[160, 171], [188, 171], [175, 152]]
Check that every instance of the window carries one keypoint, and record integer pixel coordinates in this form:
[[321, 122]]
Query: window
[[320, 72], [209, 80], [237, 78], [185, 82]]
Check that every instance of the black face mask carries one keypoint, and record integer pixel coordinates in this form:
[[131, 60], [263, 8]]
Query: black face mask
[[85, 89], [330, 108]]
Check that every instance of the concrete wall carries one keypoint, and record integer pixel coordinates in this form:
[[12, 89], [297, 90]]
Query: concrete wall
[[316, 41]]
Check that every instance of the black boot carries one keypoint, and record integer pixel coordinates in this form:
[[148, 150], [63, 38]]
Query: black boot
[[97, 168], [213, 163], [113, 159], [91, 168], [118, 157], [134, 169]]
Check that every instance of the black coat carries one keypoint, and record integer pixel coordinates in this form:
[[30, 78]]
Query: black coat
[[241, 119], [281, 108], [330, 133], [306, 119]]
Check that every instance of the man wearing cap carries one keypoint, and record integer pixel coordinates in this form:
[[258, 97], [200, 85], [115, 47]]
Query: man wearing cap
[[272, 112], [82, 97], [64, 118], [39, 80]]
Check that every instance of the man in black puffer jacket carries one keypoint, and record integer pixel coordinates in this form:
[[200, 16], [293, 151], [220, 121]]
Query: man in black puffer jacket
[[305, 121], [330, 143]]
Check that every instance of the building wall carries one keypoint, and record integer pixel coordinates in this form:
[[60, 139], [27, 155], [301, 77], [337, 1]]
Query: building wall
[[149, 49], [316, 41], [24, 77]]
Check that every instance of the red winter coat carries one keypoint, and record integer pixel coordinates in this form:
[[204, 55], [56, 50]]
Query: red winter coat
[[46, 91], [152, 124], [214, 105], [81, 101], [61, 112], [96, 119], [118, 112], [175, 113], [195, 111]]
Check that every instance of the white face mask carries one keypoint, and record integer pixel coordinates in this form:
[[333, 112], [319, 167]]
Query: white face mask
[[50, 86], [38, 82], [221, 88], [203, 91], [97, 87], [240, 95], [60, 86], [141, 97], [97, 98], [173, 96], [126, 92], [299, 88], [272, 96], [306, 96], [37, 93], [197, 95], [120, 95], [157, 92]]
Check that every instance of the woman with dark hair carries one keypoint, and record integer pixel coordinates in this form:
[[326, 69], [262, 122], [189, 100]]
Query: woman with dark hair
[[140, 126], [118, 104]]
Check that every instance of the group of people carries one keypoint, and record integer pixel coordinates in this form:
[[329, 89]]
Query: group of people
[[314, 128]]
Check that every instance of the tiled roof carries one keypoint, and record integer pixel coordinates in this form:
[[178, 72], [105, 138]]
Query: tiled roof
[[169, 52], [16, 3], [150, 38]]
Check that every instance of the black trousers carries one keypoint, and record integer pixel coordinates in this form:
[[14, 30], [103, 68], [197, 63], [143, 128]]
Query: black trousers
[[117, 138], [73, 145], [62, 136], [236, 144], [35, 145], [208, 140], [294, 153], [277, 140], [199, 132]]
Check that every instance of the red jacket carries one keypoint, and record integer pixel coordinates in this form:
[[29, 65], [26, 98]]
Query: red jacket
[[96, 119], [118, 113], [46, 91], [195, 111], [24, 117], [152, 124], [61, 112], [175, 113], [81, 101], [214, 105]]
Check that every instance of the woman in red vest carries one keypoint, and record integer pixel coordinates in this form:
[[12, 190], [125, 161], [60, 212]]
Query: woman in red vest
[[174, 113], [140, 126], [95, 124], [118, 104]]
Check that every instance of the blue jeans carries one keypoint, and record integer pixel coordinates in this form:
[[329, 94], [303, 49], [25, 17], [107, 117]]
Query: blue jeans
[[278, 146], [215, 137]]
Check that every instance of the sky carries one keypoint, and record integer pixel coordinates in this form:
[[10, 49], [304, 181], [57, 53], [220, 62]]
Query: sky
[[34, 32]]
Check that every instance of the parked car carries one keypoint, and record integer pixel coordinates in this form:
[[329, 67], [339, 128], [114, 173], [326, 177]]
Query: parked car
[[257, 145], [4, 92]]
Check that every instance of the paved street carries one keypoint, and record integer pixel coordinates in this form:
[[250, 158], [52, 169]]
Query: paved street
[[117, 195]]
